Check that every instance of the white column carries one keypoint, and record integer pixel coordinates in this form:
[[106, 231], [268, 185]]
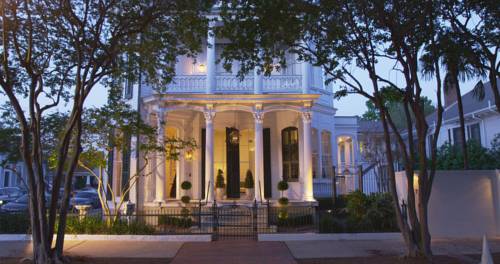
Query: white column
[[211, 81], [259, 154], [160, 160], [307, 179], [209, 154]]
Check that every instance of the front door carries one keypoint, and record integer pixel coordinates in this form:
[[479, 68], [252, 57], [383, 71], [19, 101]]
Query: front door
[[233, 163]]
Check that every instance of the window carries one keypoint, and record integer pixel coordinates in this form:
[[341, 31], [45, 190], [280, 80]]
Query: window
[[290, 153], [126, 164], [6, 179], [128, 89], [326, 157], [474, 133], [457, 139], [315, 153]]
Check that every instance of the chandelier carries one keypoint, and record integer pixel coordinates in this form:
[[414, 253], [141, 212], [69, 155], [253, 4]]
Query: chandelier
[[234, 136]]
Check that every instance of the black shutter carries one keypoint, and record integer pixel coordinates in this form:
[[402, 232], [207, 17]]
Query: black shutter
[[267, 163], [203, 143]]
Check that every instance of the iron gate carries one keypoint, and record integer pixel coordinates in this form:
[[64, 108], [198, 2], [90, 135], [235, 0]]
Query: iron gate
[[234, 221]]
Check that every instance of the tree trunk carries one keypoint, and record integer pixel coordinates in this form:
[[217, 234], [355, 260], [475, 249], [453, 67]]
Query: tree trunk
[[462, 121], [494, 87]]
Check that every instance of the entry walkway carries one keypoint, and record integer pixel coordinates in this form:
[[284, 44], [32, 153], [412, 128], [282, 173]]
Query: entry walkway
[[237, 251]]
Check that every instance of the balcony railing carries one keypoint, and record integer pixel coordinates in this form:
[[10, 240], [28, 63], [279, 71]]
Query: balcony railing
[[282, 84], [233, 84], [188, 84]]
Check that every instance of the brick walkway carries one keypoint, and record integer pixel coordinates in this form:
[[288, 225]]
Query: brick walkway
[[237, 251]]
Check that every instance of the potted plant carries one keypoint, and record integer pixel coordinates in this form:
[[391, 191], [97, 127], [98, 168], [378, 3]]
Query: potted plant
[[249, 185], [219, 186], [283, 201]]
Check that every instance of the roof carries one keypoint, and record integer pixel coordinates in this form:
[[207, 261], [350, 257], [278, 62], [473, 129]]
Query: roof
[[470, 104]]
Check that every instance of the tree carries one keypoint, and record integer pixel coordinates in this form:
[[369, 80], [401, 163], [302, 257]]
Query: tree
[[107, 130], [458, 63], [55, 51], [477, 26], [396, 110], [337, 35]]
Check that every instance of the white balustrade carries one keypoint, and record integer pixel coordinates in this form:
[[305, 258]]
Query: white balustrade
[[282, 84], [187, 84], [233, 84]]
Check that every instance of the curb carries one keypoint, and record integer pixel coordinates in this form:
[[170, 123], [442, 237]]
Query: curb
[[322, 237]]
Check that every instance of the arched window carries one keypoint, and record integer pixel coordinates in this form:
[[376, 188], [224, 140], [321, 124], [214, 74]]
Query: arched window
[[290, 153]]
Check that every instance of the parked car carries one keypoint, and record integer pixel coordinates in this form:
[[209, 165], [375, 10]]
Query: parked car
[[9, 194], [17, 206], [85, 198]]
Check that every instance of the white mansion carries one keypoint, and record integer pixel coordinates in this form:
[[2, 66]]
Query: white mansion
[[279, 127]]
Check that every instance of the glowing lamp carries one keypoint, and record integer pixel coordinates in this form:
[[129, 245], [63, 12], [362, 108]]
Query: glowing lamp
[[202, 67]]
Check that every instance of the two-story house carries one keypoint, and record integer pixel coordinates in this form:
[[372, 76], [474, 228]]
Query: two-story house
[[280, 127]]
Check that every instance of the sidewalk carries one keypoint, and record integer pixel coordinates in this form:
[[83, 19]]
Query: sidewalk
[[238, 251]]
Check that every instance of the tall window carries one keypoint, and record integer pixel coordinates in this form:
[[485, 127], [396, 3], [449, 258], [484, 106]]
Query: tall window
[[6, 179], [474, 133], [290, 153], [326, 157], [315, 153]]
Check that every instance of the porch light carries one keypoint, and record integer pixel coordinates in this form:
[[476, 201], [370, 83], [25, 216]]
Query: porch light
[[234, 137], [202, 68], [188, 155]]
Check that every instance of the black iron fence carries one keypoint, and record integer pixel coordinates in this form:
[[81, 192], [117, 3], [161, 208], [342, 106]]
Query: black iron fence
[[221, 220]]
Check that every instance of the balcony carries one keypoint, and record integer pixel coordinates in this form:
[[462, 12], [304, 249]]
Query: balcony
[[233, 84]]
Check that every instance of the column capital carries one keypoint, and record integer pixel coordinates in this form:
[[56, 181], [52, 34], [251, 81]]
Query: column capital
[[258, 116], [209, 115], [307, 116]]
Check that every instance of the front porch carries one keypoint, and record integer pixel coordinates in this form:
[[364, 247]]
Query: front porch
[[266, 136]]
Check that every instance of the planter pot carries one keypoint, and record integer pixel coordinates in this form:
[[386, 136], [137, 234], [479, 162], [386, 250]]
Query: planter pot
[[250, 194], [219, 194]]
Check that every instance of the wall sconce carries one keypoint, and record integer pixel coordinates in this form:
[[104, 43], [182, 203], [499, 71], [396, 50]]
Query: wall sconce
[[188, 155], [202, 68]]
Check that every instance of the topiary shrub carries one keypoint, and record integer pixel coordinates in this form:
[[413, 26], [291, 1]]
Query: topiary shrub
[[186, 185], [249, 183], [219, 181], [282, 186], [283, 201], [186, 199]]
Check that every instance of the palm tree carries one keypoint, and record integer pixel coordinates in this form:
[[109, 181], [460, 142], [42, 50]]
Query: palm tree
[[457, 62]]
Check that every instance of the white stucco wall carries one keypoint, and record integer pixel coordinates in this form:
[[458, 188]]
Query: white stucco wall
[[462, 204]]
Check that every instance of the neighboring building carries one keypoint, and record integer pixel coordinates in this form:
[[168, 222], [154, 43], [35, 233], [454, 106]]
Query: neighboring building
[[482, 121], [12, 175]]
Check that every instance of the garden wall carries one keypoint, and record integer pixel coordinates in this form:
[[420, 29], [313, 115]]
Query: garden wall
[[462, 204]]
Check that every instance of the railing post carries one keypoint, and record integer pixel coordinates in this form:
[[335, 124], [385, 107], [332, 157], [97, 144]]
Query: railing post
[[199, 214], [334, 185], [268, 212], [360, 177], [255, 218], [215, 221]]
